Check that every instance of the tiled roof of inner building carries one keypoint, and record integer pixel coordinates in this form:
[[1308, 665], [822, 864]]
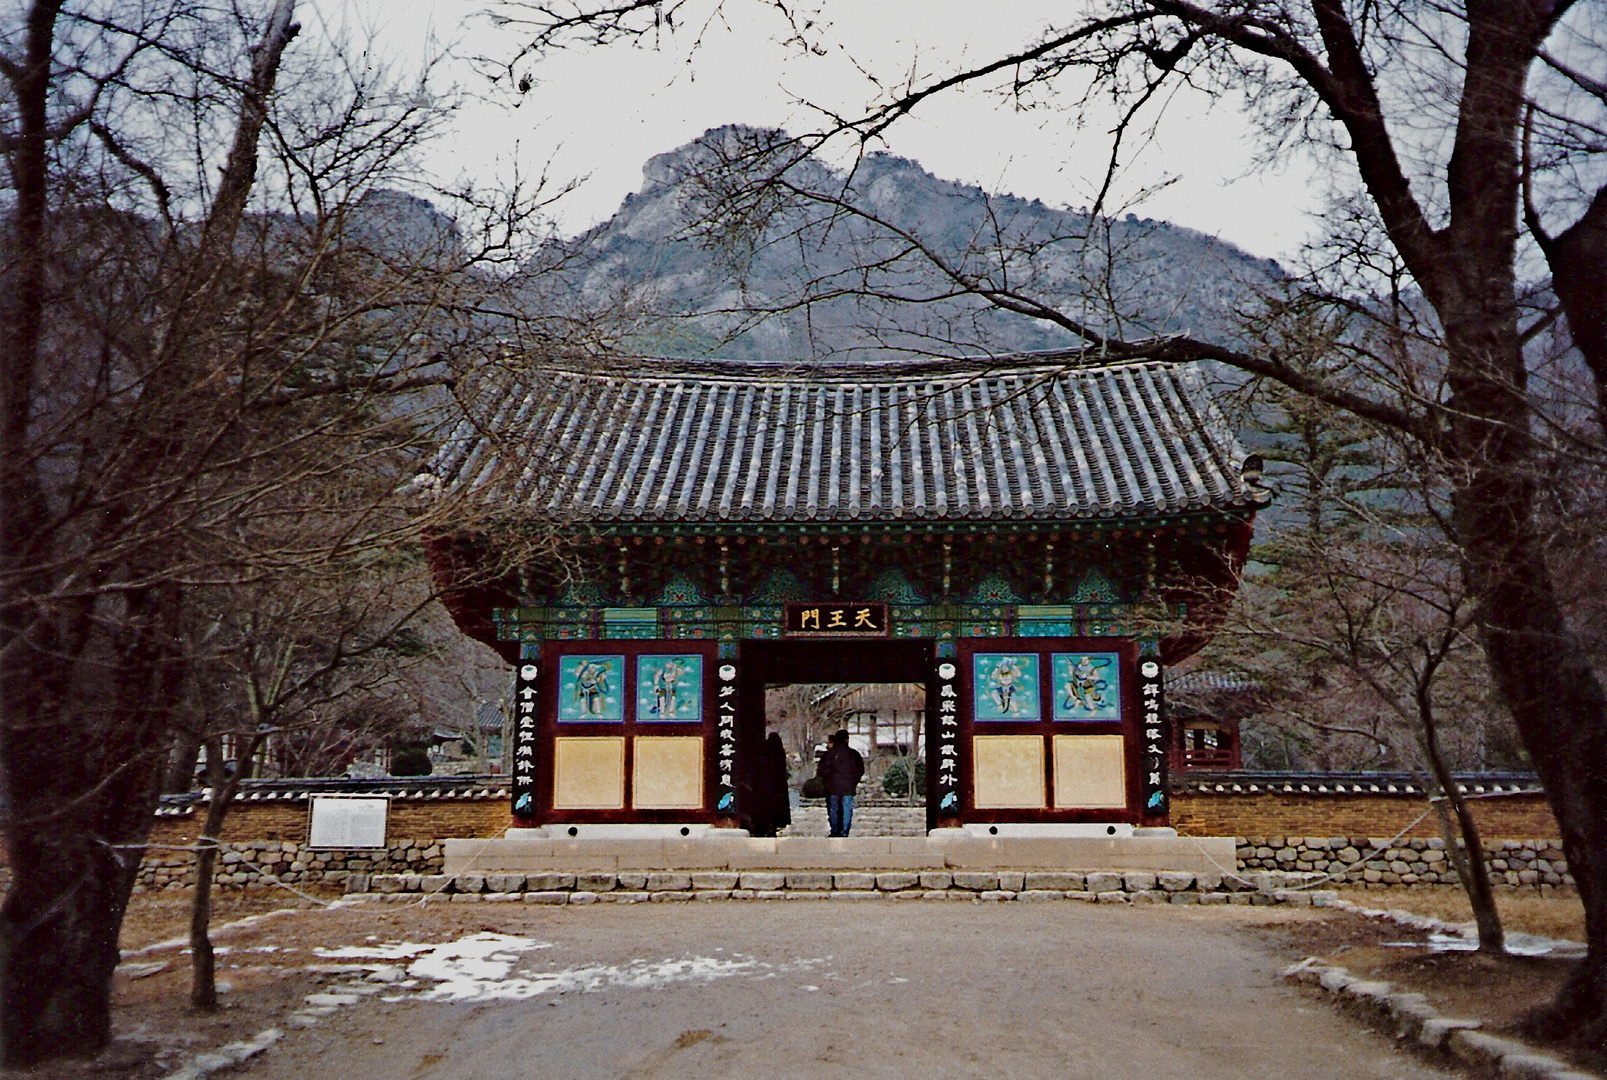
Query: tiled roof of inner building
[[1028, 438]]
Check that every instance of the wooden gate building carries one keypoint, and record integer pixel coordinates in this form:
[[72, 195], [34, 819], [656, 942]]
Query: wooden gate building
[[1033, 538]]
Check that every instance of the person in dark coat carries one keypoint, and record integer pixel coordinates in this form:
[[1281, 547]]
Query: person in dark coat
[[777, 804], [840, 770], [763, 790]]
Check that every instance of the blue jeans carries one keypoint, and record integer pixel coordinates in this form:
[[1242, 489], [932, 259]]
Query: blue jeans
[[840, 813]]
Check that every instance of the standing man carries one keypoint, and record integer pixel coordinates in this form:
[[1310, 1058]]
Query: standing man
[[841, 768]]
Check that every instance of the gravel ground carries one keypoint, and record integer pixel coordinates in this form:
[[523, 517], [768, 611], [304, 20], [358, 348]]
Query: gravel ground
[[825, 989]]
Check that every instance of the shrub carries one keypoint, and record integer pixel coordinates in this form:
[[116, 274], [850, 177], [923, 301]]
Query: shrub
[[896, 780], [414, 761]]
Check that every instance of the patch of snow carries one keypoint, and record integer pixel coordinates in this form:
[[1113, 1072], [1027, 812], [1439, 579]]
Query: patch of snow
[[140, 971], [480, 968], [395, 950], [1518, 944]]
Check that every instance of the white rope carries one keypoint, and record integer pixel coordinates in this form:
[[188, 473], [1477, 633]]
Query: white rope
[[1371, 847], [274, 878], [217, 845], [1329, 877]]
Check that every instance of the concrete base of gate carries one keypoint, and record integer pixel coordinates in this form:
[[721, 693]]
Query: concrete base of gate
[[944, 849]]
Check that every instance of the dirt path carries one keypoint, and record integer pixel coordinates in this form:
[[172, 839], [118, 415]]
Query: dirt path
[[831, 989]]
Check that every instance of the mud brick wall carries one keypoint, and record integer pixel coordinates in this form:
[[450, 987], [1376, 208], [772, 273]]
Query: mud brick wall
[[452, 817], [289, 820], [1517, 817]]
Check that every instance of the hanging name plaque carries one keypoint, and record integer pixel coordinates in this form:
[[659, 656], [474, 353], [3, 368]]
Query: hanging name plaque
[[837, 620]]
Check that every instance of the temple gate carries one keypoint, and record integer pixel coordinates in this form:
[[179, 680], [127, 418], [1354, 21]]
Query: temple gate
[[1032, 538]]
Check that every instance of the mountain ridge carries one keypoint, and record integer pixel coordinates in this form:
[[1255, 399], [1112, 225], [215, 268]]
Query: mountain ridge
[[802, 277]]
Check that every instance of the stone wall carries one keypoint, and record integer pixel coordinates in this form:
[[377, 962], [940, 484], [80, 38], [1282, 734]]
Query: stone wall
[[259, 862], [1283, 831], [415, 865], [1360, 860], [1269, 813]]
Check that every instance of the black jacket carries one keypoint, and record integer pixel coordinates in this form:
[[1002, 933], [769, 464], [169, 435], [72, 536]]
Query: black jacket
[[840, 769]]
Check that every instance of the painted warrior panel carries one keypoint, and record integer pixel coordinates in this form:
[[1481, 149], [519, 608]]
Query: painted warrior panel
[[669, 688], [1006, 686], [591, 689], [1087, 686]]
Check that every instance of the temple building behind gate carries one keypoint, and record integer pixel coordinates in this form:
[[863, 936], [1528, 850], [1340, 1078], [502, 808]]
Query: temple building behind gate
[[1033, 539]]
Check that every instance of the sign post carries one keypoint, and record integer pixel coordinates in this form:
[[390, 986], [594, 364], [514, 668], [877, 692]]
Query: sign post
[[1150, 692], [725, 740], [945, 750], [526, 696]]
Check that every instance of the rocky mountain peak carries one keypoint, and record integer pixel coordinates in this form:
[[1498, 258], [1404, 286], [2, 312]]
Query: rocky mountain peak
[[777, 250]]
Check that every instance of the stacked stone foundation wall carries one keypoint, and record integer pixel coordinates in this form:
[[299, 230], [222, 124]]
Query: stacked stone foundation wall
[[661, 886], [1380, 861], [268, 840], [262, 862]]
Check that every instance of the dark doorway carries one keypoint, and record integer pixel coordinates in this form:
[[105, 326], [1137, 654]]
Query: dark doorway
[[766, 663]]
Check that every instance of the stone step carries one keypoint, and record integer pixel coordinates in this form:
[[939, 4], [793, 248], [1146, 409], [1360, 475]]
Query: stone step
[[953, 850]]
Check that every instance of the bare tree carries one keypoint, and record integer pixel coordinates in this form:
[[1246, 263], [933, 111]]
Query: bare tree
[[1363, 631], [281, 656], [228, 338]]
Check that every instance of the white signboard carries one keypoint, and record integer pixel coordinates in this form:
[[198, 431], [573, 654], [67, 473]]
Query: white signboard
[[348, 822]]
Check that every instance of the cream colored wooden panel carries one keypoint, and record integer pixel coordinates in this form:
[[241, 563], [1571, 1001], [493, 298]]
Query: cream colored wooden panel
[[668, 773], [1007, 772], [1090, 772], [588, 773]]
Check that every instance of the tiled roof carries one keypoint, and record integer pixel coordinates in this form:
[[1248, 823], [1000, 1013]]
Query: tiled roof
[[1203, 683], [1036, 437], [1242, 782], [300, 789]]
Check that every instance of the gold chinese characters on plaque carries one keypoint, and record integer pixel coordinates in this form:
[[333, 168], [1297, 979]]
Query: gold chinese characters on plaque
[[837, 620]]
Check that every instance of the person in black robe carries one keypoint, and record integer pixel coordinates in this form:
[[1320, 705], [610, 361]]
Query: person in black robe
[[769, 807]]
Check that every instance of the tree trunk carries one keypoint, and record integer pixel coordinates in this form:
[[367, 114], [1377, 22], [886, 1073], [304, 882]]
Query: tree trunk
[[1475, 874], [180, 777], [224, 787], [75, 820], [1559, 706], [1469, 857], [83, 768], [203, 969], [1576, 257], [1537, 662], [1539, 665], [58, 949]]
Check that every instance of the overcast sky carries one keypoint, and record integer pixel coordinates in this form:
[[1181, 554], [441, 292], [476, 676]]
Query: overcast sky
[[596, 115]]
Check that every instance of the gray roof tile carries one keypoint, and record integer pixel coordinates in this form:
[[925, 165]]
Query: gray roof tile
[[1030, 438]]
